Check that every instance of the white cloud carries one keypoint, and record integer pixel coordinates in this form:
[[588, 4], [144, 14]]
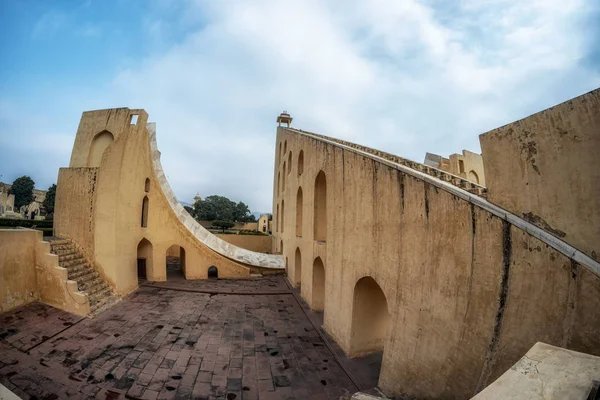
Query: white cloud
[[404, 76], [48, 24]]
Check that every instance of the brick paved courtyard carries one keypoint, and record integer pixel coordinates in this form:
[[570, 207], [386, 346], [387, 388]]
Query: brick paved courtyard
[[179, 343]]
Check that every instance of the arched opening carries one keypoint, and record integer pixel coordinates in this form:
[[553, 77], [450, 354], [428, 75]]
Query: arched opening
[[175, 260], [279, 155], [285, 147], [282, 214], [278, 182], [213, 272], [473, 177], [318, 285], [281, 246], [370, 318], [298, 268], [301, 162], [320, 212], [289, 163], [144, 258], [100, 142], [283, 178], [147, 185], [145, 212], [277, 219], [299, 202]]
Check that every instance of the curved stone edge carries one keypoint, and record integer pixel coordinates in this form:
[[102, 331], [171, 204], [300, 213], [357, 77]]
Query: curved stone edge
[[216, 244], [549, 239]]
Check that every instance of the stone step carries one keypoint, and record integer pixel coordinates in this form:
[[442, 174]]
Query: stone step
[[72, 262], [57, 242], [99, 309], [93, 289], [78, 267], [61, 247], [84, 275], [88, 285], [100, 294], [68, 256]]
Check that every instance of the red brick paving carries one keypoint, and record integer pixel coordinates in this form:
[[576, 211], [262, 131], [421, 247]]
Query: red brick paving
[[168, 344]]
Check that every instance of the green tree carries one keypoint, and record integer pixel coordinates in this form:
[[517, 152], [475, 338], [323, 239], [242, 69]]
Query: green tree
[[223, 224], [22, 188], [49, 200], [189, 209], [242, 213], [214, 208]]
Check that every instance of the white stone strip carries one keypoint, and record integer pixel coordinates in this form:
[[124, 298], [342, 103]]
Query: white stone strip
[[202, 234], [519, 222]]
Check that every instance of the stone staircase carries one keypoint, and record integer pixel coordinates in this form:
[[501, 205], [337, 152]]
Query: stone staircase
[[89, 281]]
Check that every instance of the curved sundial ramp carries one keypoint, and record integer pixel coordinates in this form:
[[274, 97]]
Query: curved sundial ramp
[[251, 258]]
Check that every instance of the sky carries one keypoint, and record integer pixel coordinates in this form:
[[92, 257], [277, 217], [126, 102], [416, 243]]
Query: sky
[[403, 76]]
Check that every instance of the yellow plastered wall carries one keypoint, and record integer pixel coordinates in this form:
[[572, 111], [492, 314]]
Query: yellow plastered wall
[[449, 272], [18, 282], [111, 195], [546, 169]]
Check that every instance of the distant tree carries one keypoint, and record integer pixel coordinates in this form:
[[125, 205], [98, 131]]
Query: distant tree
[[49, 200], [22, 188], [189, 209], [220, 208], [223, 224]]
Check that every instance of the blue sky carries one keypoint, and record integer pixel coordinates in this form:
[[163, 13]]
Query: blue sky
[[404, 76]]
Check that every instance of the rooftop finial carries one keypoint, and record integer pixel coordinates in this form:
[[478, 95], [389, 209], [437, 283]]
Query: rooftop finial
[[284, 118]]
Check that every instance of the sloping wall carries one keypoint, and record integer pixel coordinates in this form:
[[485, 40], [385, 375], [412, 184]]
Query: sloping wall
[[545, 168], [111, 208], [467, 292]]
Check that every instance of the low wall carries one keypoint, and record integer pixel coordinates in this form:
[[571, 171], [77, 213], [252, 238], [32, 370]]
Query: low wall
[[18, 283], [259, 244]]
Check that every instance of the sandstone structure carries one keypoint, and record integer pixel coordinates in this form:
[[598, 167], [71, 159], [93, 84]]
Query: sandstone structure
[[452, 280], [413, 261], [467, 165], [115, 204], [7, 204]]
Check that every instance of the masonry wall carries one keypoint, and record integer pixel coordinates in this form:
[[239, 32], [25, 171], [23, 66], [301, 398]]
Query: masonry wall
[[100, 208], [74, 206], [545, 168], [260, 244], [467, 293], [18, 283]]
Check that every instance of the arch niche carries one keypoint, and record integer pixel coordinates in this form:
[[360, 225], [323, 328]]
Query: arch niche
[[282, 216], [318, 285], [283, 178], [320, 211], [145, 205], [175, 262], [144, 258], [370, 318], [473, 177], [299, 204], [99, 144], [213, 272], [298, 268], [289, 163], [301, 162]]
